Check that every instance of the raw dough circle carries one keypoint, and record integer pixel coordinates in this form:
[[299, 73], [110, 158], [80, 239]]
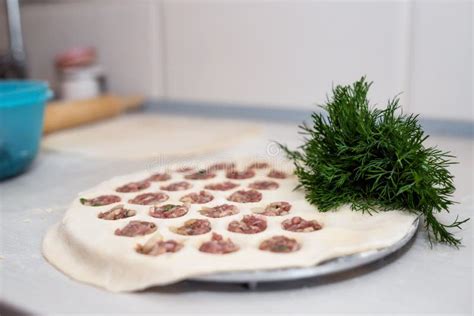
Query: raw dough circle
[[86, 248], [142, 136]]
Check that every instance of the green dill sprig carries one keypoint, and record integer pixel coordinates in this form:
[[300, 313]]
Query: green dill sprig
[[373, 159]]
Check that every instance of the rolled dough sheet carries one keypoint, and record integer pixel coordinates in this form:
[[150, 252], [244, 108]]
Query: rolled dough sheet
[[141, 136], [86, 248]]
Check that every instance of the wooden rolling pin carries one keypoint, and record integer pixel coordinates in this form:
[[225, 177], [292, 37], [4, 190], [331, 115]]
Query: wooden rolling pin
[[65, 114]]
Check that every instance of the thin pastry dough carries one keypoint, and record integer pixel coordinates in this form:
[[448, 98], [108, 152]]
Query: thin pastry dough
[[85, 247]]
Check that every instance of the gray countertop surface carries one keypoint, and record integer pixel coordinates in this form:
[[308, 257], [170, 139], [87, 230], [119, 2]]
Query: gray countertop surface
[[419, 280]]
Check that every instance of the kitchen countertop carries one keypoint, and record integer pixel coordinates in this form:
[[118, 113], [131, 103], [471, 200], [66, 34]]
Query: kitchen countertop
[[417, 280]]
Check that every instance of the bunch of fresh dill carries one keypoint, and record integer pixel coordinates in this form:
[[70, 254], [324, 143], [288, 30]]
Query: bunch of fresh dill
[[373, 159]]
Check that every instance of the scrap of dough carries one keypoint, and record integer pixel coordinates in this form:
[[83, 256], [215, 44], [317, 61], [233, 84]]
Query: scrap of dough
[[141, 136], [85, 247]]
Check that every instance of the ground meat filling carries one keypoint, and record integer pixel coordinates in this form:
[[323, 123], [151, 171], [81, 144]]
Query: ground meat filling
[[245, 196], [197, 198], [280, 244], [117, 212], [222, 186], [264, 185], [136, 228], [169, 211], [200, 175], [219, 211], [239, 175], [300, 225], [250, 224], [218, 245], [277, 174], [149, 198], [277, 209], [194, 227], [177, 186], [133, 187], [160, 247], [259, 165], [159, 177], [221, 166], [100, 200]]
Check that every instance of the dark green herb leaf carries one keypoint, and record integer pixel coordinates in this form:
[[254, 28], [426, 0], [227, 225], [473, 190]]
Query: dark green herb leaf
[[280, 248], [373, 159], [169, 207]]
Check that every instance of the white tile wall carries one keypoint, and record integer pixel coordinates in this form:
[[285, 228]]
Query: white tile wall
[[126, 34], [274, 53], [442, 59], [283, 53]]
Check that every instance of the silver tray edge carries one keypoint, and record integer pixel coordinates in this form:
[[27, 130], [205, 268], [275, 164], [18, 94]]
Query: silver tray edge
[[335, 265]]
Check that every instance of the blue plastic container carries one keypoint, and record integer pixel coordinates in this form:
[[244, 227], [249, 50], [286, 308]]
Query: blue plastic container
[[21, 123]]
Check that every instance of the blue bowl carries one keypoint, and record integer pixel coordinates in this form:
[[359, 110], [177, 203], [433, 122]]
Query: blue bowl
[[21, 123]]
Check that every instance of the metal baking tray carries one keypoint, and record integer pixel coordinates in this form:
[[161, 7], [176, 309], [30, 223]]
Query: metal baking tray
[[339, 264]]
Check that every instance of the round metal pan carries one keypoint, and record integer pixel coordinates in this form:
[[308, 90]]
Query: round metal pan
[[328, 267]]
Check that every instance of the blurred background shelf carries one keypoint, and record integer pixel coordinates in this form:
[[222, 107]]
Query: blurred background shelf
[[277, 54]]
